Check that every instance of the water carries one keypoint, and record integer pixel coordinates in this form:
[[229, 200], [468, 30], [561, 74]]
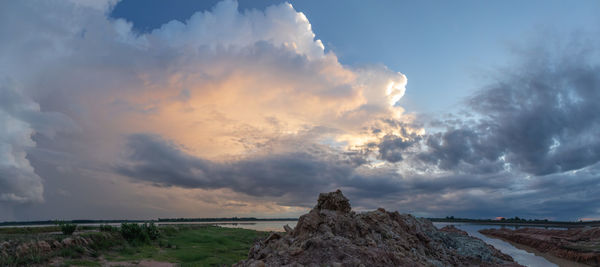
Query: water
[[521, 256], [276, 226]]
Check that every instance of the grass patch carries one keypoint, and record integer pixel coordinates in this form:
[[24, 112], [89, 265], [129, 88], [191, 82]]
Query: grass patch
[[81, 263], [28, 230], [188, 245], [194, 245]]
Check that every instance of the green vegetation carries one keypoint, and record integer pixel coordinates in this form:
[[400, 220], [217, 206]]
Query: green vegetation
[[193, 245], [35, 255], [81, 263], [108, 228], [189, 245], [28, 230], [67, 228], [139, 234]]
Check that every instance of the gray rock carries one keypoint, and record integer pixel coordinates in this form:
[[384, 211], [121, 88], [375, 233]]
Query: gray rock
[[331, 234]]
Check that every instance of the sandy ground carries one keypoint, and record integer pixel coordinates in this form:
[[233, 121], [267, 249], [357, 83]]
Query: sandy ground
[[143, 263]]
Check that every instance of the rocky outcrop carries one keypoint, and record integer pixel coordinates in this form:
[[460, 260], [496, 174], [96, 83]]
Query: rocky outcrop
[[28, 248], [333, 235], [580, 244]]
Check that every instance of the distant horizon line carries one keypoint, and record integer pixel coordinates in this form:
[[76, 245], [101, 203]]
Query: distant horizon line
[[180, 219], [235, 218]]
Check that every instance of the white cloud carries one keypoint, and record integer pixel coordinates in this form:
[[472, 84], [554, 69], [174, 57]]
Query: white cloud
[[21, 118], [252, 81]]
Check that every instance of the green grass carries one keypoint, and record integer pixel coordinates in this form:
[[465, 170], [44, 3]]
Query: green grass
[[193, 246], [28, 230], [188, 245], [81, 263]]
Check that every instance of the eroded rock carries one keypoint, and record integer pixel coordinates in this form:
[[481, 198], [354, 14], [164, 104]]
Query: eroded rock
[[335, 201], [331, 234]]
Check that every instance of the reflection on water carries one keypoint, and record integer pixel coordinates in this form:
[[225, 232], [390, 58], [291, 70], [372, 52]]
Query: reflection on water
[[521, 256], [276, 226]]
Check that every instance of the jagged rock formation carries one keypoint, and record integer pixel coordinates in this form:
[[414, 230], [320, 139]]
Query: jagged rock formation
[[580, 244], [332, 235]]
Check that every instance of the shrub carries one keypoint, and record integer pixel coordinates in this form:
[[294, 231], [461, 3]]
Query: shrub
[[135, 233], [107, 228], [67, 228], [151, 230]]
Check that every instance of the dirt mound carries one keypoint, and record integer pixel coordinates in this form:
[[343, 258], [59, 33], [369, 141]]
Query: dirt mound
[[331, 234], [580, 244]]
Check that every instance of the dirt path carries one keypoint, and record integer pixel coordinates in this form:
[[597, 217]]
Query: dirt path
[[142, 263]]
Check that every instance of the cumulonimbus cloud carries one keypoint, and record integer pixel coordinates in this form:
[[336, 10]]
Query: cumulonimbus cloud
[[21, 118], [251, 104], [226, 85]]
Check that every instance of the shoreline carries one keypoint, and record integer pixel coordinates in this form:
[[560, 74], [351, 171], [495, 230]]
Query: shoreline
[[551, 258], [565, 225]]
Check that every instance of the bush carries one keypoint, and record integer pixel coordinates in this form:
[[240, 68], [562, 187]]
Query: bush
[[67, 228], [107, 228], [135, 233], [151, 230]]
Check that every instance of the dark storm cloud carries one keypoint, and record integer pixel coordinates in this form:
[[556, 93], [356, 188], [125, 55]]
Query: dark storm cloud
[[526, 145], [568, 195], [392, 147], [462, 149], [291, 178], [541, 117], [155, 160], [295, 178], [545, 115]]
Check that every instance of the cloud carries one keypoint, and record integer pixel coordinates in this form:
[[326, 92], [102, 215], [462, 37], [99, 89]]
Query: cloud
[[245, 112], [234, 90], [21, 118], [542, 114], [538, 117], [282, 175], [288, 178]]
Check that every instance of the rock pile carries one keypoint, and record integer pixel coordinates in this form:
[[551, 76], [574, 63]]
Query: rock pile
[[333, 235], [23, 248]]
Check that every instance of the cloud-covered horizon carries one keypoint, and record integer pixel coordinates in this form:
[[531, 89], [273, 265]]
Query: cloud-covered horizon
[[244, 112]]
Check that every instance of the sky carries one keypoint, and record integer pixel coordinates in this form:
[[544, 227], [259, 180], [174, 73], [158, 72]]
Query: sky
[[152, 109]]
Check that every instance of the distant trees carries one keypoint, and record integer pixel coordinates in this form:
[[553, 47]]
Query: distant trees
[[515, 219]]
